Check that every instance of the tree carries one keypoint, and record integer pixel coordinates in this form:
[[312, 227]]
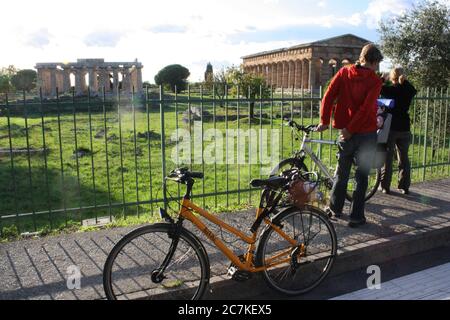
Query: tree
[[24, 80], [174, 76], [419, 40], [9, 71], [5, 84], [250, 85], [220, 84]]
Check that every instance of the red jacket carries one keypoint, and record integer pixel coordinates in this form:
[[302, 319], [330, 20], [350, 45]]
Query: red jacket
[[355, 90]]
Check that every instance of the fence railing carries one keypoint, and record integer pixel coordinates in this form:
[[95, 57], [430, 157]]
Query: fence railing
[[68, 159]]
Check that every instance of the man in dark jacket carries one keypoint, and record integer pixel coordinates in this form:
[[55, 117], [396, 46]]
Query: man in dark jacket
[[355, 90], [402, 92]]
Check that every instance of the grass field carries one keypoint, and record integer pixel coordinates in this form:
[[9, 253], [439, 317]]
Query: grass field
[[131, 169]]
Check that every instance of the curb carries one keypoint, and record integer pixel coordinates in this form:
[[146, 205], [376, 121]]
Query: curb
[[349, 258]]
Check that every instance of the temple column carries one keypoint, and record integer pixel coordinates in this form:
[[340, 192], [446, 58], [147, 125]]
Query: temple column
[[66, 80], [115, 81], [312, 74], [92, 81], [140, 86], [305, 74], [291, 82], [279, 75], [78, 82], [126, 81], [298, 74], [53, 82]]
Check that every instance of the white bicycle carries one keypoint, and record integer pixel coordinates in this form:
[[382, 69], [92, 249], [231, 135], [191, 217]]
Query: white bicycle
[[298, 161]]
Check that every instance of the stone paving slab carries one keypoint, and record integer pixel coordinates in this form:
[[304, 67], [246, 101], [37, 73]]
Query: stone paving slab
[[37, 268], [429, 284]]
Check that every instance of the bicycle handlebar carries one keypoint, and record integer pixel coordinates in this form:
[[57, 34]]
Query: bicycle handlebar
[[183, 174], [307, 129]]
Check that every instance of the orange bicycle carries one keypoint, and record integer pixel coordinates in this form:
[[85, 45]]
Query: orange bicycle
[[294, 249]]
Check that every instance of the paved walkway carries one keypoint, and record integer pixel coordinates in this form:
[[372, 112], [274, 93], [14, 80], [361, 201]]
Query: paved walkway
[[38, 269], [430, 284]]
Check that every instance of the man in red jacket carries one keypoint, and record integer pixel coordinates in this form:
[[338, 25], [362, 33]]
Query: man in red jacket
[[352, 97]]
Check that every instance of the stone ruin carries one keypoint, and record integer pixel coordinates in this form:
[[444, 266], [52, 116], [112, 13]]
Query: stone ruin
[[94, 74]]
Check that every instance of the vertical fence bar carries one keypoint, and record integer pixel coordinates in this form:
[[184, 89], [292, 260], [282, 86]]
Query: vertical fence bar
[[105, 127], [439, 149], [281, 125], [190, 126], [133, 107], [433, 130], [163, 143], [292, 117], [419, 148], [427, 105], [178, 139], [447, 98], [238, 141], [413, 142], [203, 146], [250, 106], [147, 110], [13, 170], [311, 99], [30, 178], [121, 151], [44, 145], [321, 133], [226, 148], [61, 158], [215, 146], [272, 147], [75, 130], [260, 130], [94, 187]]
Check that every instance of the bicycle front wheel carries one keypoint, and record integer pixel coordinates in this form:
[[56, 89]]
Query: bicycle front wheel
[[132, 270], [295, 269]]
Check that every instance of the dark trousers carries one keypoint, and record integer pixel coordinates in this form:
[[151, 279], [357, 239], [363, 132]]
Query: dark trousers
[[361, 147], [398, 142]]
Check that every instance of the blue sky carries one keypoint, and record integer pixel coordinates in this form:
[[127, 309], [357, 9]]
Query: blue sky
[[191, 32]]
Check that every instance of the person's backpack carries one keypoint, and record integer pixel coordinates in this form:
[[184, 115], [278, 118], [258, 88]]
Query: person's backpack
[[383, 134]]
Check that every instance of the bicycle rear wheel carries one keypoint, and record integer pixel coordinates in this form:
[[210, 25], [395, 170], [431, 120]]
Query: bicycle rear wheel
[[297, 269], [131, 270], [374, 183]]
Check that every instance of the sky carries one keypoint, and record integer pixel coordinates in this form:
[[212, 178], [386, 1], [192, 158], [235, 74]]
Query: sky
[[187, 32]]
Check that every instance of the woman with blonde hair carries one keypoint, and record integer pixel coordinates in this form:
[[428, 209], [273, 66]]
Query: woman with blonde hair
[[402, 92]]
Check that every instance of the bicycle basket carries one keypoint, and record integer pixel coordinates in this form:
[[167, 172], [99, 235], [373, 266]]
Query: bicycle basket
[[300, 190]]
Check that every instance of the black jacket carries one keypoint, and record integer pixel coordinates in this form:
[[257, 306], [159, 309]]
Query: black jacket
[[403, 95]]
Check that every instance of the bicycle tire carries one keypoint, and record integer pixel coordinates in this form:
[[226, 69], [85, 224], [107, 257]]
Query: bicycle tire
[[289, 163], [265, 239], [165, 229], [370, 192]]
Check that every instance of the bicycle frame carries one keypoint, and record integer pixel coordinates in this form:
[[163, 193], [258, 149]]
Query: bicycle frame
[[186, 212], [307, 150]]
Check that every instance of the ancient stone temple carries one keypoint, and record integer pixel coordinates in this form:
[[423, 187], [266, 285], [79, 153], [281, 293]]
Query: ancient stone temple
[[94, 74], [305, 66]]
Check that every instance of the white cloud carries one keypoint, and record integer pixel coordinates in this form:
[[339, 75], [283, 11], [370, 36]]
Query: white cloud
[[379, 9], [39, 39]]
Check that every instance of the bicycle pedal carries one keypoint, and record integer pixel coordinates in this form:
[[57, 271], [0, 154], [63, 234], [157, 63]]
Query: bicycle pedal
[[239, 275]]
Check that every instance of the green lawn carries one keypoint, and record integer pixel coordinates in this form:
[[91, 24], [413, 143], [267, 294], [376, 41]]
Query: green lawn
[[137, 176]]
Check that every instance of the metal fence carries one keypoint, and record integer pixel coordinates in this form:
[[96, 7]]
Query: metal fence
[[69, 159]]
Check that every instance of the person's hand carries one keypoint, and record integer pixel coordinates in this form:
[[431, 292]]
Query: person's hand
[[345, 135], [322, 127]]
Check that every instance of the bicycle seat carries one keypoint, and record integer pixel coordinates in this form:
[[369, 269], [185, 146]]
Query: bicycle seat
[[273, 182]]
